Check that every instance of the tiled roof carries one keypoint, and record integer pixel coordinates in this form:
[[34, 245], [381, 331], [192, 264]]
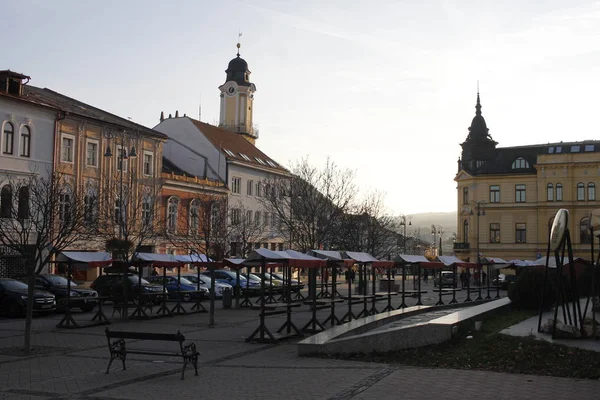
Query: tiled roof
[[49, 98], [505, 156], [234, 147]]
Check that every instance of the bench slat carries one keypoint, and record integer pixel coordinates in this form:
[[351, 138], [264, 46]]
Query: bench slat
[[167, 337]]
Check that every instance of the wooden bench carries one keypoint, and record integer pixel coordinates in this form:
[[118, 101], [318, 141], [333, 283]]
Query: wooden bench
[[118, 349]]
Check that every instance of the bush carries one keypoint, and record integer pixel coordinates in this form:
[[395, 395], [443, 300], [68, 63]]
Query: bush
[[526, 292]]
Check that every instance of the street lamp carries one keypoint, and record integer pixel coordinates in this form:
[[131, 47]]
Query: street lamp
[[437, 231], [403, 225], [479, 205], [122, 155]]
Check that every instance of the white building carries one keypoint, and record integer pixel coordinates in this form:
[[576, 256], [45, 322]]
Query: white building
[[27, 141], [228, 152]]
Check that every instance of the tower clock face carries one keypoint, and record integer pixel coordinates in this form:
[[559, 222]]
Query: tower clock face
[[230, 91]]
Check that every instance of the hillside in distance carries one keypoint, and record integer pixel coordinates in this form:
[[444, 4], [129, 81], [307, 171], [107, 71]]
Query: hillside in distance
[[421, 225]]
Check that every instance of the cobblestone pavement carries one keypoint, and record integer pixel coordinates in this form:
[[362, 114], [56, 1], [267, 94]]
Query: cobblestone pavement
[[71, 365]]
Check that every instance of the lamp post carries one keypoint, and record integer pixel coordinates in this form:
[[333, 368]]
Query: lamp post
[[403, 225], [479, 206], [122, 155]]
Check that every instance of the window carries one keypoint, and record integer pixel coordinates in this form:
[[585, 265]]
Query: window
[[89, 207], [520, 233], [589, 147], [559, 149], [257, 217], [66, 149], [559, 192], [245, 157], [260, 161], [591, 191], [64, 206], [466, 231], [121, 158], [92, 153], [520, 193], [465, 195], [172, 210], [23, 207], [249, 217], [494, 194], [249, 187], [229, 153], [580, 191], [6, 202], [575, 149], [495, 233], [235, 216], [520, 163], [194, 216], [267, 221], [25, 141], [118, 212], [236, 184], [258, 189], [272, 163], [9, 138], [550, 195], [551, 150], [146, 213], [585, 235], [148, 167]]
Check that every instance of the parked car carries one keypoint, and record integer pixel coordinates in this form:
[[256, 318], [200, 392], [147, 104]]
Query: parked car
[[270, 286], [205, 283], [230, 277], [172, 284], [448, 279], [83, 298], [13, 298], [296, 284], [504, 280], [111, 284]]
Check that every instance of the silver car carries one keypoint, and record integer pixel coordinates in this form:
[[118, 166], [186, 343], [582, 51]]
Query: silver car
[[205, 283]]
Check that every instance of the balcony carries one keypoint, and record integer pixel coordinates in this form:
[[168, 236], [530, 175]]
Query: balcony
[[461, 246], [250, 130]]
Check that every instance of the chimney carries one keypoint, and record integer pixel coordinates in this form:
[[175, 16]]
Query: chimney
[[162, 116], [177, 114], [170, 116]]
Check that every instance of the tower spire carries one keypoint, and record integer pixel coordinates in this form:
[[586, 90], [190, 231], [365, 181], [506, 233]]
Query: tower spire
[[238, 44], [478, 105]]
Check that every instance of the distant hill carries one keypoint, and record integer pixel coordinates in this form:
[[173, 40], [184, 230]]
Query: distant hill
[[421, 225]]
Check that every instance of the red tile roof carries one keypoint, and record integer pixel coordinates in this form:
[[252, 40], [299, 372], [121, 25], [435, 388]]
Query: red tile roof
[[235, 143]]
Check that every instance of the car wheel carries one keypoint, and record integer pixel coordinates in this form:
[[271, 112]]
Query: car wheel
[[14, 309]]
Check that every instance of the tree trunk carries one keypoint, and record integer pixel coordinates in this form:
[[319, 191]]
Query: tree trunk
[[29, 311]]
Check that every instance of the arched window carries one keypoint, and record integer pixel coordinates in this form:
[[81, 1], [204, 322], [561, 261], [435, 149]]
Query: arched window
[[25, 141], [585, 236], [194, 216], [9, 138], [466, 231], [6, 202], [591, 191], [172, 211], [23, 206], [520, 163], [559, 192], [550, 189], [580, 191]]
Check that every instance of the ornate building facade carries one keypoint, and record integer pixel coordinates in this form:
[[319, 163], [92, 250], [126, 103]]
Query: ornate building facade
[[507, 196]]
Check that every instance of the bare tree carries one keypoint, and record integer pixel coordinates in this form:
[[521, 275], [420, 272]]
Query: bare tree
[[249, 228], [129, 214], [310, 204], [204, 228], [39, 218], [369, 228]]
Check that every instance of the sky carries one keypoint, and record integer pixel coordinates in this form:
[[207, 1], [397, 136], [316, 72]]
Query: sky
[[384, 88]]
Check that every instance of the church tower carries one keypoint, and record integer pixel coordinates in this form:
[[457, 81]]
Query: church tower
[[479, 147], [237, 97]]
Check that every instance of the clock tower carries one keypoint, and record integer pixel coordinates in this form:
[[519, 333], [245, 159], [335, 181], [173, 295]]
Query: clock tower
[[237, 97]]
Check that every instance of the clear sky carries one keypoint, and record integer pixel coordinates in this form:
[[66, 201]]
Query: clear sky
[[386, 88]]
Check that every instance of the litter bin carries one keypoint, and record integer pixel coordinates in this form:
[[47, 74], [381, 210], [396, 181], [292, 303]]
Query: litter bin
[[227, 296]]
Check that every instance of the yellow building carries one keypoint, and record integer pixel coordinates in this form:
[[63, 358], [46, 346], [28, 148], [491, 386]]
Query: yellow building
[[508, 196]]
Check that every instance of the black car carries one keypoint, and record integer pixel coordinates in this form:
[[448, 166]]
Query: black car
[[111, 285], [85, 299], [13, 298]]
